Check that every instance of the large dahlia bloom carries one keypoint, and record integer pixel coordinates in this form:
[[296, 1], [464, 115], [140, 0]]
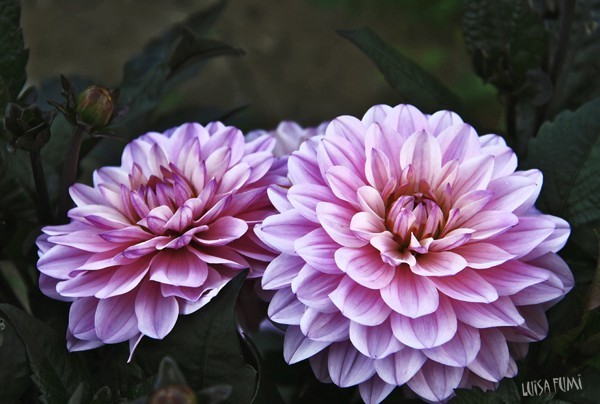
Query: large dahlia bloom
[[160, 235], [411, 254], [289, 136]]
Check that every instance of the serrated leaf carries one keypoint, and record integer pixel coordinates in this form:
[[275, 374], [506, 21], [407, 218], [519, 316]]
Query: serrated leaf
[[56, 373], [206, 347], [13, 56], [567, 151], [413, 84]]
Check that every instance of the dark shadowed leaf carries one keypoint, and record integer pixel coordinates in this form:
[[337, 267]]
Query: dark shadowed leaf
[[56, 373], [567, 151], [13, 57], [14, 364], [507, 393], [415, 85], [207, 348]]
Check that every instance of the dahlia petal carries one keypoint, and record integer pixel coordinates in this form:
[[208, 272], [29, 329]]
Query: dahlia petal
[[81, 318], [222, 231], [435, 382], [285, 308], [349, 128], [317, 249], [458, 142], [378, 168], [146, 247], [185, 215], [99, 215], [555, 264], [535, 327], [499, 313], [85, 195], [338, 151], [313, 288], [364, 266], [471, 203], [382, 153], [318, 363], [488, 224], [359, 304], [406, 120], [229, 136], [466, 286], [390, 250], [451, 240], [537, 177], [376, 113], [324, 326], [259, 164], [482, 255], [374, 341], [178, 268], [474, 174], [553, 242], [278, 197], [427, 331], [123, 279], [282, 230], [375, 390], [297, 347], [234, 178], [400, 367], [492, 361], [157, 219], [335, 219], [48, 285], [366, 225], [410, 295], [545, 291], [511, 192], [84, 284], [86, 240], [422, 152], [59, 260], [460, 351], [304, 170], [281, 271], [514, 276], [442, 120], [370, 201], [130, 234], [526, 235], [304, 198], [348, 367], [156, 314], [115, 319], [443, 263], [344, 183], [74, 344]]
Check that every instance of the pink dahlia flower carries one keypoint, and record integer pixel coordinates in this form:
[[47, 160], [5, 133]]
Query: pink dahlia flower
[[411, 254], [289, 136], [160, 235]]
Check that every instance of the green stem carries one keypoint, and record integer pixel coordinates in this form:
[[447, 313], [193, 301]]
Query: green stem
[[69, 174], [42, 198]]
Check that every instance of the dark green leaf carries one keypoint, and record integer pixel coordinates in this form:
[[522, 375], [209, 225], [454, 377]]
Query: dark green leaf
[[589, 391], [56, 373], [415, 85], [13, 56], [567, 151], [266, 391], [507, 393], [206, 347], [593, 301], [14, 365], [10, 274], [506, 40], [214, 394]]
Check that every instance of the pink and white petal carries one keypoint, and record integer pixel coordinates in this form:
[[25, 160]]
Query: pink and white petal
[[460, 351], [555, 264], [85, 240], [500, 313], [59, 261], [344, 184], [370, 200], [427, 331], [483, 255], [282, 230], [336, 219], [375, 390], [410, 295], [442, 120], [422, 151], [537, 177], [314, 287], [435, 382], [126, 235], [364, 266], [367, 225], [493, 359], [406, 120], [222, 231], [514, 276], [458, 142], [303, 169], [115, 319], [83, 195], [471, 203], [317, 249], [488, 224], [348, 367], [443, 263], [318, 363], [348, 128], [324, 326], [81, 318], [48, 285], [378, 168], [84, 284], [278, 197], [474, 174], [285, 308], [156, 314], [297, 347], [400, 367], [530, 232], [304, 198], [451, 240], [375, 114], [124, 279], [75, 344], [553, 242], [338, 151], [281, 271], [178, 268], [511, 192], [466, 286], [374, 341], [360, 304], [382, 147]]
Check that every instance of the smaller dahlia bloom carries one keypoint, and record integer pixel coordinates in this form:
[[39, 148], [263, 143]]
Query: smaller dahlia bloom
[[411, 253], [161, 234], [289, 136]]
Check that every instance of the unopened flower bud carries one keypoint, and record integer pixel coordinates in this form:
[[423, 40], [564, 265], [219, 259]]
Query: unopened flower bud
[[28, 127], [174, 394], [95, 106]]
